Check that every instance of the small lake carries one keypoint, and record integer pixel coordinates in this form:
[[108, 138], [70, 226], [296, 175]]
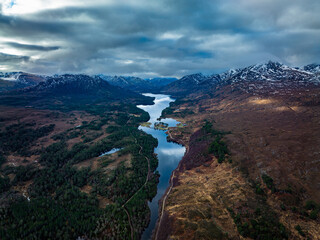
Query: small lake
[[169, 153]]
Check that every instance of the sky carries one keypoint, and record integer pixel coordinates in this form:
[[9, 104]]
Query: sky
[[148, 38]]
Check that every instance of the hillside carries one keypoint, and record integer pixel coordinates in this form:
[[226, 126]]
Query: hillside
[[70, 92], [138, 84], [255, 78], [17, 80], [132, 83], [160, 82], [314, 68], [251, 169]]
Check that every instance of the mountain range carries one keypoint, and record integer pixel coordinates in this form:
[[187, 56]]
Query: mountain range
[[16, 80], [259, 77], [68, 89], [268, 77], [137, 84]]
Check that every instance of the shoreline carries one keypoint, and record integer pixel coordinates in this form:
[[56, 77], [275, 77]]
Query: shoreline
[[162, 201], [170, 172]]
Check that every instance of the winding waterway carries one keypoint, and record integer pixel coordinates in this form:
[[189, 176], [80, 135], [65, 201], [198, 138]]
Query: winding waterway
[[169, 153]]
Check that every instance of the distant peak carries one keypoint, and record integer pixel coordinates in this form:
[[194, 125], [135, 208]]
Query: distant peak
[[269, 65], [272, 64], [313, 68], [194, 75]]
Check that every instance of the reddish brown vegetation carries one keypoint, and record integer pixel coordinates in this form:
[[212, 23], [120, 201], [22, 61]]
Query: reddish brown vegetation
[[273, 135]]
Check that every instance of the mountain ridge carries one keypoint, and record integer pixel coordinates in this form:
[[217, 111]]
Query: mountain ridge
[[70, 89], [17, 80], [136, 83], [272, 75], [269, 75]]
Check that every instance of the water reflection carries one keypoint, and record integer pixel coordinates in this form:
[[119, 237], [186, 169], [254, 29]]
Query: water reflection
[[169, 153], [161, 102]]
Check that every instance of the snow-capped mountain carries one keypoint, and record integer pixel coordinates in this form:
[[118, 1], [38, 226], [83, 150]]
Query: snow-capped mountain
[[22, 77], [16, 80], [10, 76], [135, 83], [270, 77], [313, 68], [129, 82], [77, 90], [71, 82], [193, 78], [187, 84], [132, 83], [79, 85], [228, 74], [271, 71], [195, 83]]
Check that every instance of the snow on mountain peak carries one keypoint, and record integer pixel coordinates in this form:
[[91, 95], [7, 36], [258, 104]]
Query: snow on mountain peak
[[10, 76], [271, 77], [313, 68], [196, 78]]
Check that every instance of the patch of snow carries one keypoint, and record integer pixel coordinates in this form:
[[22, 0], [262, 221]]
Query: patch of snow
[[10, 76]]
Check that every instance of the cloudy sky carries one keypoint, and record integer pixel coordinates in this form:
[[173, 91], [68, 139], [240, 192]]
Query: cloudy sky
[[155, 37]]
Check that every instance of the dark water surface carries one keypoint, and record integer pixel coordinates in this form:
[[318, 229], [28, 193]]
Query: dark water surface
[[169, 153]]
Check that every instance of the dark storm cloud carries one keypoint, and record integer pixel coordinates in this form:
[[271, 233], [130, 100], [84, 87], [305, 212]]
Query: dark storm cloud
[[166, 37], [20, 27], [31, 47], [10, 59]]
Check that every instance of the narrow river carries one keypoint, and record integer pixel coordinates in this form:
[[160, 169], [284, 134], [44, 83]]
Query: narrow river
[[169, 153]]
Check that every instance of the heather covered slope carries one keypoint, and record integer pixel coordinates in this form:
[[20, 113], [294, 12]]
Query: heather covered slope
[[267, 183]]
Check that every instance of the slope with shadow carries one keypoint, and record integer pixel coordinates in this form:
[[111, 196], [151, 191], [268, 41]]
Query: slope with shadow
[[137, 84], [70, 92], [314, 68], [191, 84], [132, 83], [160, 82]]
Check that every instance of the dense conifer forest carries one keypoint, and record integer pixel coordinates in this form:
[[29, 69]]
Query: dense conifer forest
[[55, 204]]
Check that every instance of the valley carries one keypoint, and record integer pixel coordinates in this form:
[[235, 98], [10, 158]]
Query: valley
[[159, 120], [169, 154], [92, 156]]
